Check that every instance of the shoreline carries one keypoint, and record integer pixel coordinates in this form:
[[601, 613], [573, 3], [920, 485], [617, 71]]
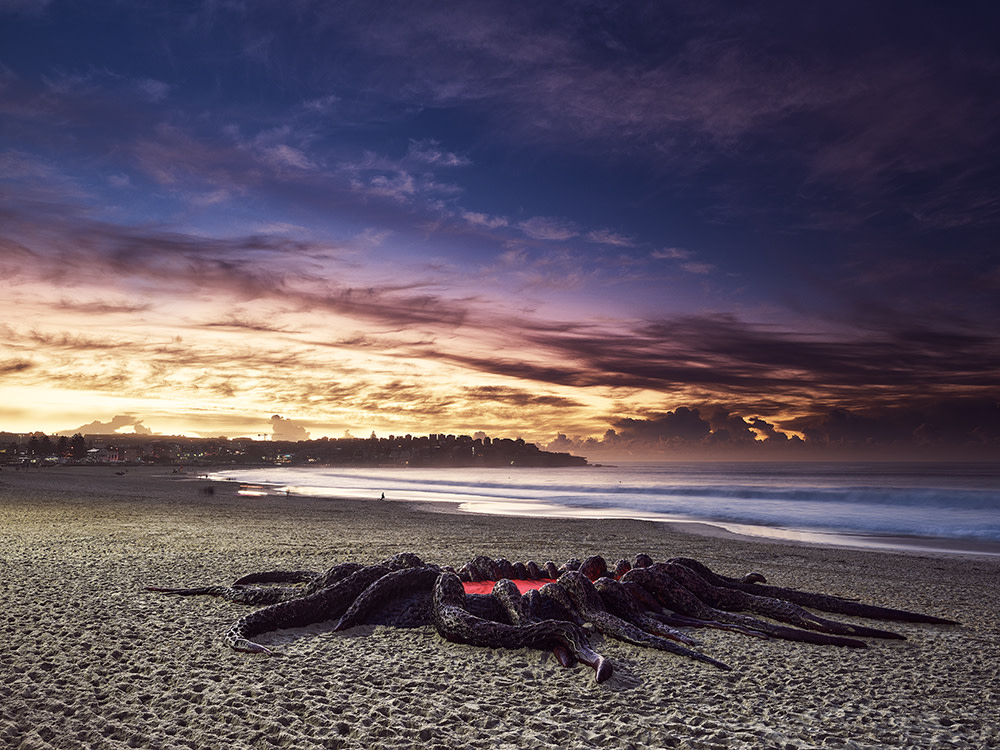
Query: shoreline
[[854, 540], [95, 660], [969, 547]]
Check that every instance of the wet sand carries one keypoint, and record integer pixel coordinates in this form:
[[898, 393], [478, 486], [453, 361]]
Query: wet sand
[[90, 659]]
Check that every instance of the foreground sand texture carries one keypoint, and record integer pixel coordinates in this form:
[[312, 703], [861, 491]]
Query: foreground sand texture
[[89, 659]]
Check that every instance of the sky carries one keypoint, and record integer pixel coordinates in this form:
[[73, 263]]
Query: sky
[[646, 229]]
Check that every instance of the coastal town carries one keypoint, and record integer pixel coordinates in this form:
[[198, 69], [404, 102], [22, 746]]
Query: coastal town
[[35, 450]]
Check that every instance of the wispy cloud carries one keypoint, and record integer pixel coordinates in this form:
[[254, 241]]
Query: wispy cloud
[[671, 253], [32, 7], [430, 152], [155, 91], [698, 268], [610, 237], [485, 220], [285, 156], [548, 228]]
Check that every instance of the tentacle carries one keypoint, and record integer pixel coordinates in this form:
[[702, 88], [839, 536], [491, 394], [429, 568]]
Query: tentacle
[[479, 568], [824, 602], [533, 601], [515, 607], [641, 596], [330, 576], [653, 609], [327, 604], [278, 576], [621, 603], [455, 623], [677, 620], [572, 564], [386, 588], [239, 594], [557, 604], [594, 567], [622, 567], [197, 591], [521, 610], [734, 600], [504, 568], [716, 579], [642, 560], [588, 603], [673, 595], [403, 560], [483, 606]]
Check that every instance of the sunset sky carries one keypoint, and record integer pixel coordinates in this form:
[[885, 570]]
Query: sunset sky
[[715, 229]]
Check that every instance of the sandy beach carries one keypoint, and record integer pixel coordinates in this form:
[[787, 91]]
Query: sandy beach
[[91, 659]]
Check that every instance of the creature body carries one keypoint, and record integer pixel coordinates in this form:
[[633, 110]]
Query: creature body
[[642, 603]]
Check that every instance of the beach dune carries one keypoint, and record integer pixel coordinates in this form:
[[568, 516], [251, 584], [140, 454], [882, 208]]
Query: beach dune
[[91, 659]]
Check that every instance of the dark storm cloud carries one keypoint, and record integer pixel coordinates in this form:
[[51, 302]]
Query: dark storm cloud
[[735, 357], [767, 430], [706, 426], [944, 428], [955, 422], [685, 432], [684, 424], [899, 389]]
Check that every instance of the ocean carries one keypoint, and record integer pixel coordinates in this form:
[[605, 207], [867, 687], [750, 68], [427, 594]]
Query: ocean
[[944, 506]]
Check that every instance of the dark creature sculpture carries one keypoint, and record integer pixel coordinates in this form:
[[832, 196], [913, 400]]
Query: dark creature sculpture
[[641, 602]]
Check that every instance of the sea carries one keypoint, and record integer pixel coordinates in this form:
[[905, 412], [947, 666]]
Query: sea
[[946, 507]]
